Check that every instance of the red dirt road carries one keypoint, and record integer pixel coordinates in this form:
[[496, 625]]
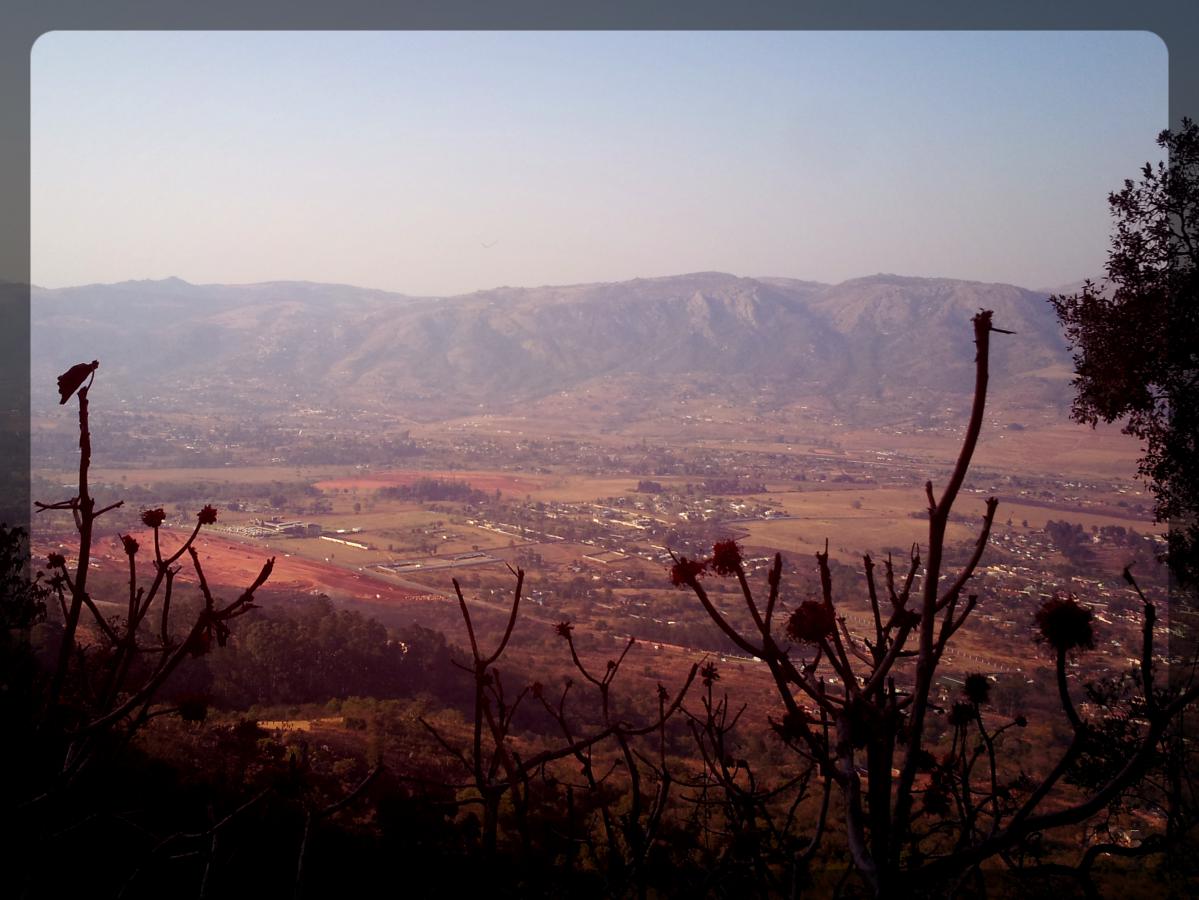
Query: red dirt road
[[233, 564]]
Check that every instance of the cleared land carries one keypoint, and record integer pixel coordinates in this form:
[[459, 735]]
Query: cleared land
[[479, 480], [232, 563]]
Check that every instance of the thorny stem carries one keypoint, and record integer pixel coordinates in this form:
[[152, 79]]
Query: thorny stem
[[938, 520], [83, 508]]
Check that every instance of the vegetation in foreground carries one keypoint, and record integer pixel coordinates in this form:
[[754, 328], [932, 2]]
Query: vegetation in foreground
[[495, 781]]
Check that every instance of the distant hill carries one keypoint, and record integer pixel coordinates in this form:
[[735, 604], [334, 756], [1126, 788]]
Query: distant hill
[[878, 339]]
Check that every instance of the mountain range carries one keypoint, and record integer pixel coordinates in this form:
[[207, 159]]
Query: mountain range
[[878, 340]]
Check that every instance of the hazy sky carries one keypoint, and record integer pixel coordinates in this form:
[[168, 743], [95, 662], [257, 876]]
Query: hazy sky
[[389, 159]]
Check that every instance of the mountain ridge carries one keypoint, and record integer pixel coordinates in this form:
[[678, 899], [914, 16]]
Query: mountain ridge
[[878, 338]]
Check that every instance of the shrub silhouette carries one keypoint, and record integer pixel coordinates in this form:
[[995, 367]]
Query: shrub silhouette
[[66, 737], [108, 685], [850, 709]]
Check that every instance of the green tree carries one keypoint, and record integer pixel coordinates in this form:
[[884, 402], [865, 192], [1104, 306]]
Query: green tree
[[1136, 336]]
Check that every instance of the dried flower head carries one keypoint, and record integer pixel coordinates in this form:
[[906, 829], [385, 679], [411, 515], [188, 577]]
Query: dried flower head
[[563, 629], [1065, 625], [811, 622], [709, 673], [685, 571], [207, 515], [961, 714], [1021, 722], [977, 688], [56, 560], [130, 544], [726, 558], [152, 518]]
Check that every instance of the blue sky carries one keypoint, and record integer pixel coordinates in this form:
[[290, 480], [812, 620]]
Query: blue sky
[[390, 159]]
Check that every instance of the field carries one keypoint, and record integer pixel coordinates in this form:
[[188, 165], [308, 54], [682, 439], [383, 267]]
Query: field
[[1056, 447], [232, 475], [854, 518], [572, 488], [480, 481], [862, 490]]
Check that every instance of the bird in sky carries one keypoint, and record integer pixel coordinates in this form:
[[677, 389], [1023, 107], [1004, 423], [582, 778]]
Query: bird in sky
[[488, 245], [72, 379]]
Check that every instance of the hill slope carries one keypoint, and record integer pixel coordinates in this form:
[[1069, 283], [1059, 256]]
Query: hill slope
[[882, 338]]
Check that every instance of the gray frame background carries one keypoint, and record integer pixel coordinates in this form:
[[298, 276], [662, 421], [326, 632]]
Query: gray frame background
[[1176, 22]]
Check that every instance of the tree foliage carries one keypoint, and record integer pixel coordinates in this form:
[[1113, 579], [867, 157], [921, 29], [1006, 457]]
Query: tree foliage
[[1136, 335], [311, 652]]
